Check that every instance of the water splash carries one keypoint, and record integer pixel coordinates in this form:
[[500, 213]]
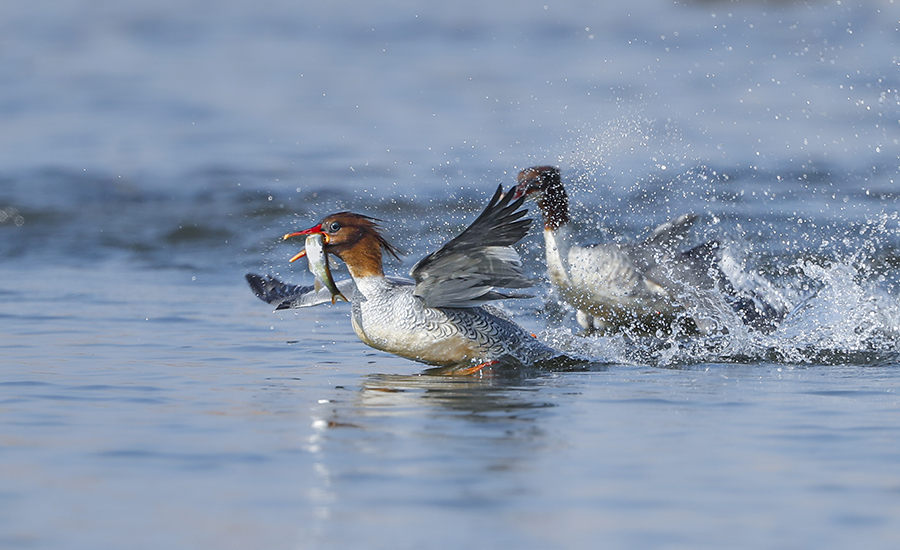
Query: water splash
[[849, 316], [842, 303]]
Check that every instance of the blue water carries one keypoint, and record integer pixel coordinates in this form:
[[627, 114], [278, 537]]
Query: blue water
[[154, 152]]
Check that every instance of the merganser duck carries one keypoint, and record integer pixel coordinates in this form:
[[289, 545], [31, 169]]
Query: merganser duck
[[645, 287], [440, 319]]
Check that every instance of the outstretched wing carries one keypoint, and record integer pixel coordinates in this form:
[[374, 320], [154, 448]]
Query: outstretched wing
[[285, 296], [465, 271]]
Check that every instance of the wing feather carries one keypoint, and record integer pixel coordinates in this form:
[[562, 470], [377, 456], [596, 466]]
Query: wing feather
[[285, 296], [465, 271]]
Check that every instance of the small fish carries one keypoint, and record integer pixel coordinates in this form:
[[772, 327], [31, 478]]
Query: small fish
[[318, 265]]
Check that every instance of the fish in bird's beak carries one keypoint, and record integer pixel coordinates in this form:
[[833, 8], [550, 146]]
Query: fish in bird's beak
[[318, 260], [311, 231]]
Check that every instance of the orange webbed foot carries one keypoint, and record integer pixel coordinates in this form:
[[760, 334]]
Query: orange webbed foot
[[468, 371]]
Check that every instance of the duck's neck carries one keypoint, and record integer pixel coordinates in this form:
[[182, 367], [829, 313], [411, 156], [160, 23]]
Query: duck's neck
[[364, 258], [556, 244], [554, 205]]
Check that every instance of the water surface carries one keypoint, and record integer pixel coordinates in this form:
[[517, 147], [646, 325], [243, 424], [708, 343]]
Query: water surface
[[154, 152]]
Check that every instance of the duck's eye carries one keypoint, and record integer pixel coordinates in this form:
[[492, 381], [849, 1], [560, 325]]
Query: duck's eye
[[334, 227]]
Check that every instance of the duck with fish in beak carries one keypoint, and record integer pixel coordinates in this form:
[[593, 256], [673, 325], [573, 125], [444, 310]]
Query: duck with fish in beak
[[442, 316]]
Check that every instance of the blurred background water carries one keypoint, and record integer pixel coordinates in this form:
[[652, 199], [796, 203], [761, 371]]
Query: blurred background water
[[154, 152]]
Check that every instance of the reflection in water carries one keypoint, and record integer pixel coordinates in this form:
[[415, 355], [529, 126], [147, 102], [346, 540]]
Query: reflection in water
[[496, 397], [451, 442], [471, 395]]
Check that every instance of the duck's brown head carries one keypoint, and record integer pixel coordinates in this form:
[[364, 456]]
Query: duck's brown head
[[355, 239]]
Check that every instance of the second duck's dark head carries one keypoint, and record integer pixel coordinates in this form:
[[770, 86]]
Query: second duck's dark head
[[543, 184]]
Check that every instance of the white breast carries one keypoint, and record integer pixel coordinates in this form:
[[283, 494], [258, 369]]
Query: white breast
[[601, 281]]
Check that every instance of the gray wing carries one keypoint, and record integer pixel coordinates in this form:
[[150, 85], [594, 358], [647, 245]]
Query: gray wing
[[663, 246], [285, 296], [663, 260], [690, 273], [673, 234], [465, 271]]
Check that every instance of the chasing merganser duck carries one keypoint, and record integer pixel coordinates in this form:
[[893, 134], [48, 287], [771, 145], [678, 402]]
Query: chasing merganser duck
[[644, 287], [440, 319]]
